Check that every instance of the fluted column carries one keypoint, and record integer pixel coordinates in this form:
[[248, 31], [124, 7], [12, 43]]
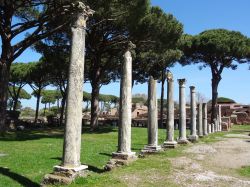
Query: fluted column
[[193, 137], [182, 118], [170, 142]]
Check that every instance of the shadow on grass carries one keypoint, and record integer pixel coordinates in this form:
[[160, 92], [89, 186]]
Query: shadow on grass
[[49, 133], [19, 178], [99, 130], [106, 154], [30, 135]]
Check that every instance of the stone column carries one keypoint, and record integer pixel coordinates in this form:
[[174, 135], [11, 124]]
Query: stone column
[[212, 127], [182, 118], [200, 126], [71, 166], [219, 113], [152, 118], [209, 129], [204, 115], [170, 142], [193, 137], [124, 133]]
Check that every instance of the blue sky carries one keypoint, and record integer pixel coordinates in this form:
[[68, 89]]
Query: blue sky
[[196, 16]]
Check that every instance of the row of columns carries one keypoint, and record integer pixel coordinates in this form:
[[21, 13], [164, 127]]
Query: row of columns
[[71, 165]]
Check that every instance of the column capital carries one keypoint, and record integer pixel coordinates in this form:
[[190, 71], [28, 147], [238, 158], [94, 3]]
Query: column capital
[[169, 76], [83, 12], [182, 82], [192, 88]]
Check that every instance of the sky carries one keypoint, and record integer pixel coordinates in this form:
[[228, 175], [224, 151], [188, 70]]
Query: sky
[[196, 16]]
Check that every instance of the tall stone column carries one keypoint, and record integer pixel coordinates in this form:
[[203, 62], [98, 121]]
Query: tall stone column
[[209, 129], [200, 126], [124, 133], [212, 127], [152, 118], [219, 113], [204, 115], [71, 166], [193, 137], [170, 142], [182, 118]]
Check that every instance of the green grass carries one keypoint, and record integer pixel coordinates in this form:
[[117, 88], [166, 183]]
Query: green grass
[[32, 154], [244, 171]]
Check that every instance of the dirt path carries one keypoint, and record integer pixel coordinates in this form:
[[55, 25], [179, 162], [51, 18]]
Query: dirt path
[[213, 164]]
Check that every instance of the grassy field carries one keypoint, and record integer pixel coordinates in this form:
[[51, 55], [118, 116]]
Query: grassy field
[[32, 154]]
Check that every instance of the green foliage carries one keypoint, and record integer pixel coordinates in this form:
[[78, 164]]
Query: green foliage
[[27, 112], [50, 96], [244, 171], [224, 100], [23, 94], [138, 100], [86, 96], [218, 48]]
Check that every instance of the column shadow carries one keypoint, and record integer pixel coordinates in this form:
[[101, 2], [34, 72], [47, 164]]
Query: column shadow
[[19, 178]]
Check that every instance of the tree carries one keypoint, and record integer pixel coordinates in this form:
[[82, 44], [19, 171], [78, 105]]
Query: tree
[[87, 99], [50, 97], [109, 29], [18, 79], [217, 49], [157, 37], [32, 17], [16, 93], [38, 79]]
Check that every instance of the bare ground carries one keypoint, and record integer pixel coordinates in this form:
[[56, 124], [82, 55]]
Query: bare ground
[[215, 164]]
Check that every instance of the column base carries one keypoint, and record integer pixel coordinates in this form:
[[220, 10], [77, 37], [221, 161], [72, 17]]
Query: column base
[[119, 159], [124, 155], [200, 136], [183, 141], [64, 175], [169, 145], [193, 138], [151, 149]]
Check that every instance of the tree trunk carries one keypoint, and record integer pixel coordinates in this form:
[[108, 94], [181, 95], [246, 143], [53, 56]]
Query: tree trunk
[[37, 103], [15, 101], [162, 97], [44, 111], [4, 81], [215, 83], [62, 109], [94, 105]]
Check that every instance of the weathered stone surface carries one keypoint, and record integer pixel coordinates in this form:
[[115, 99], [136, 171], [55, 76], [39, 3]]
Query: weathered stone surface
[[200, 126], [204, 115], [170, 142], [114, 163], [152, 116], [182, 102], [62, 175], [151, 149], [193, 137]]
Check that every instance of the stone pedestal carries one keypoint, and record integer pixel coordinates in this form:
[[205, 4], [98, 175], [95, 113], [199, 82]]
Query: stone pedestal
[[204, 115], [124, 133], [193, 136], [71, 167], [152, 146], [200, 125], [182, 102], [170, 142]]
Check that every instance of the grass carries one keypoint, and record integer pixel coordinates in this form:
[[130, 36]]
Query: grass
[[32, 154], [244, 171]]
